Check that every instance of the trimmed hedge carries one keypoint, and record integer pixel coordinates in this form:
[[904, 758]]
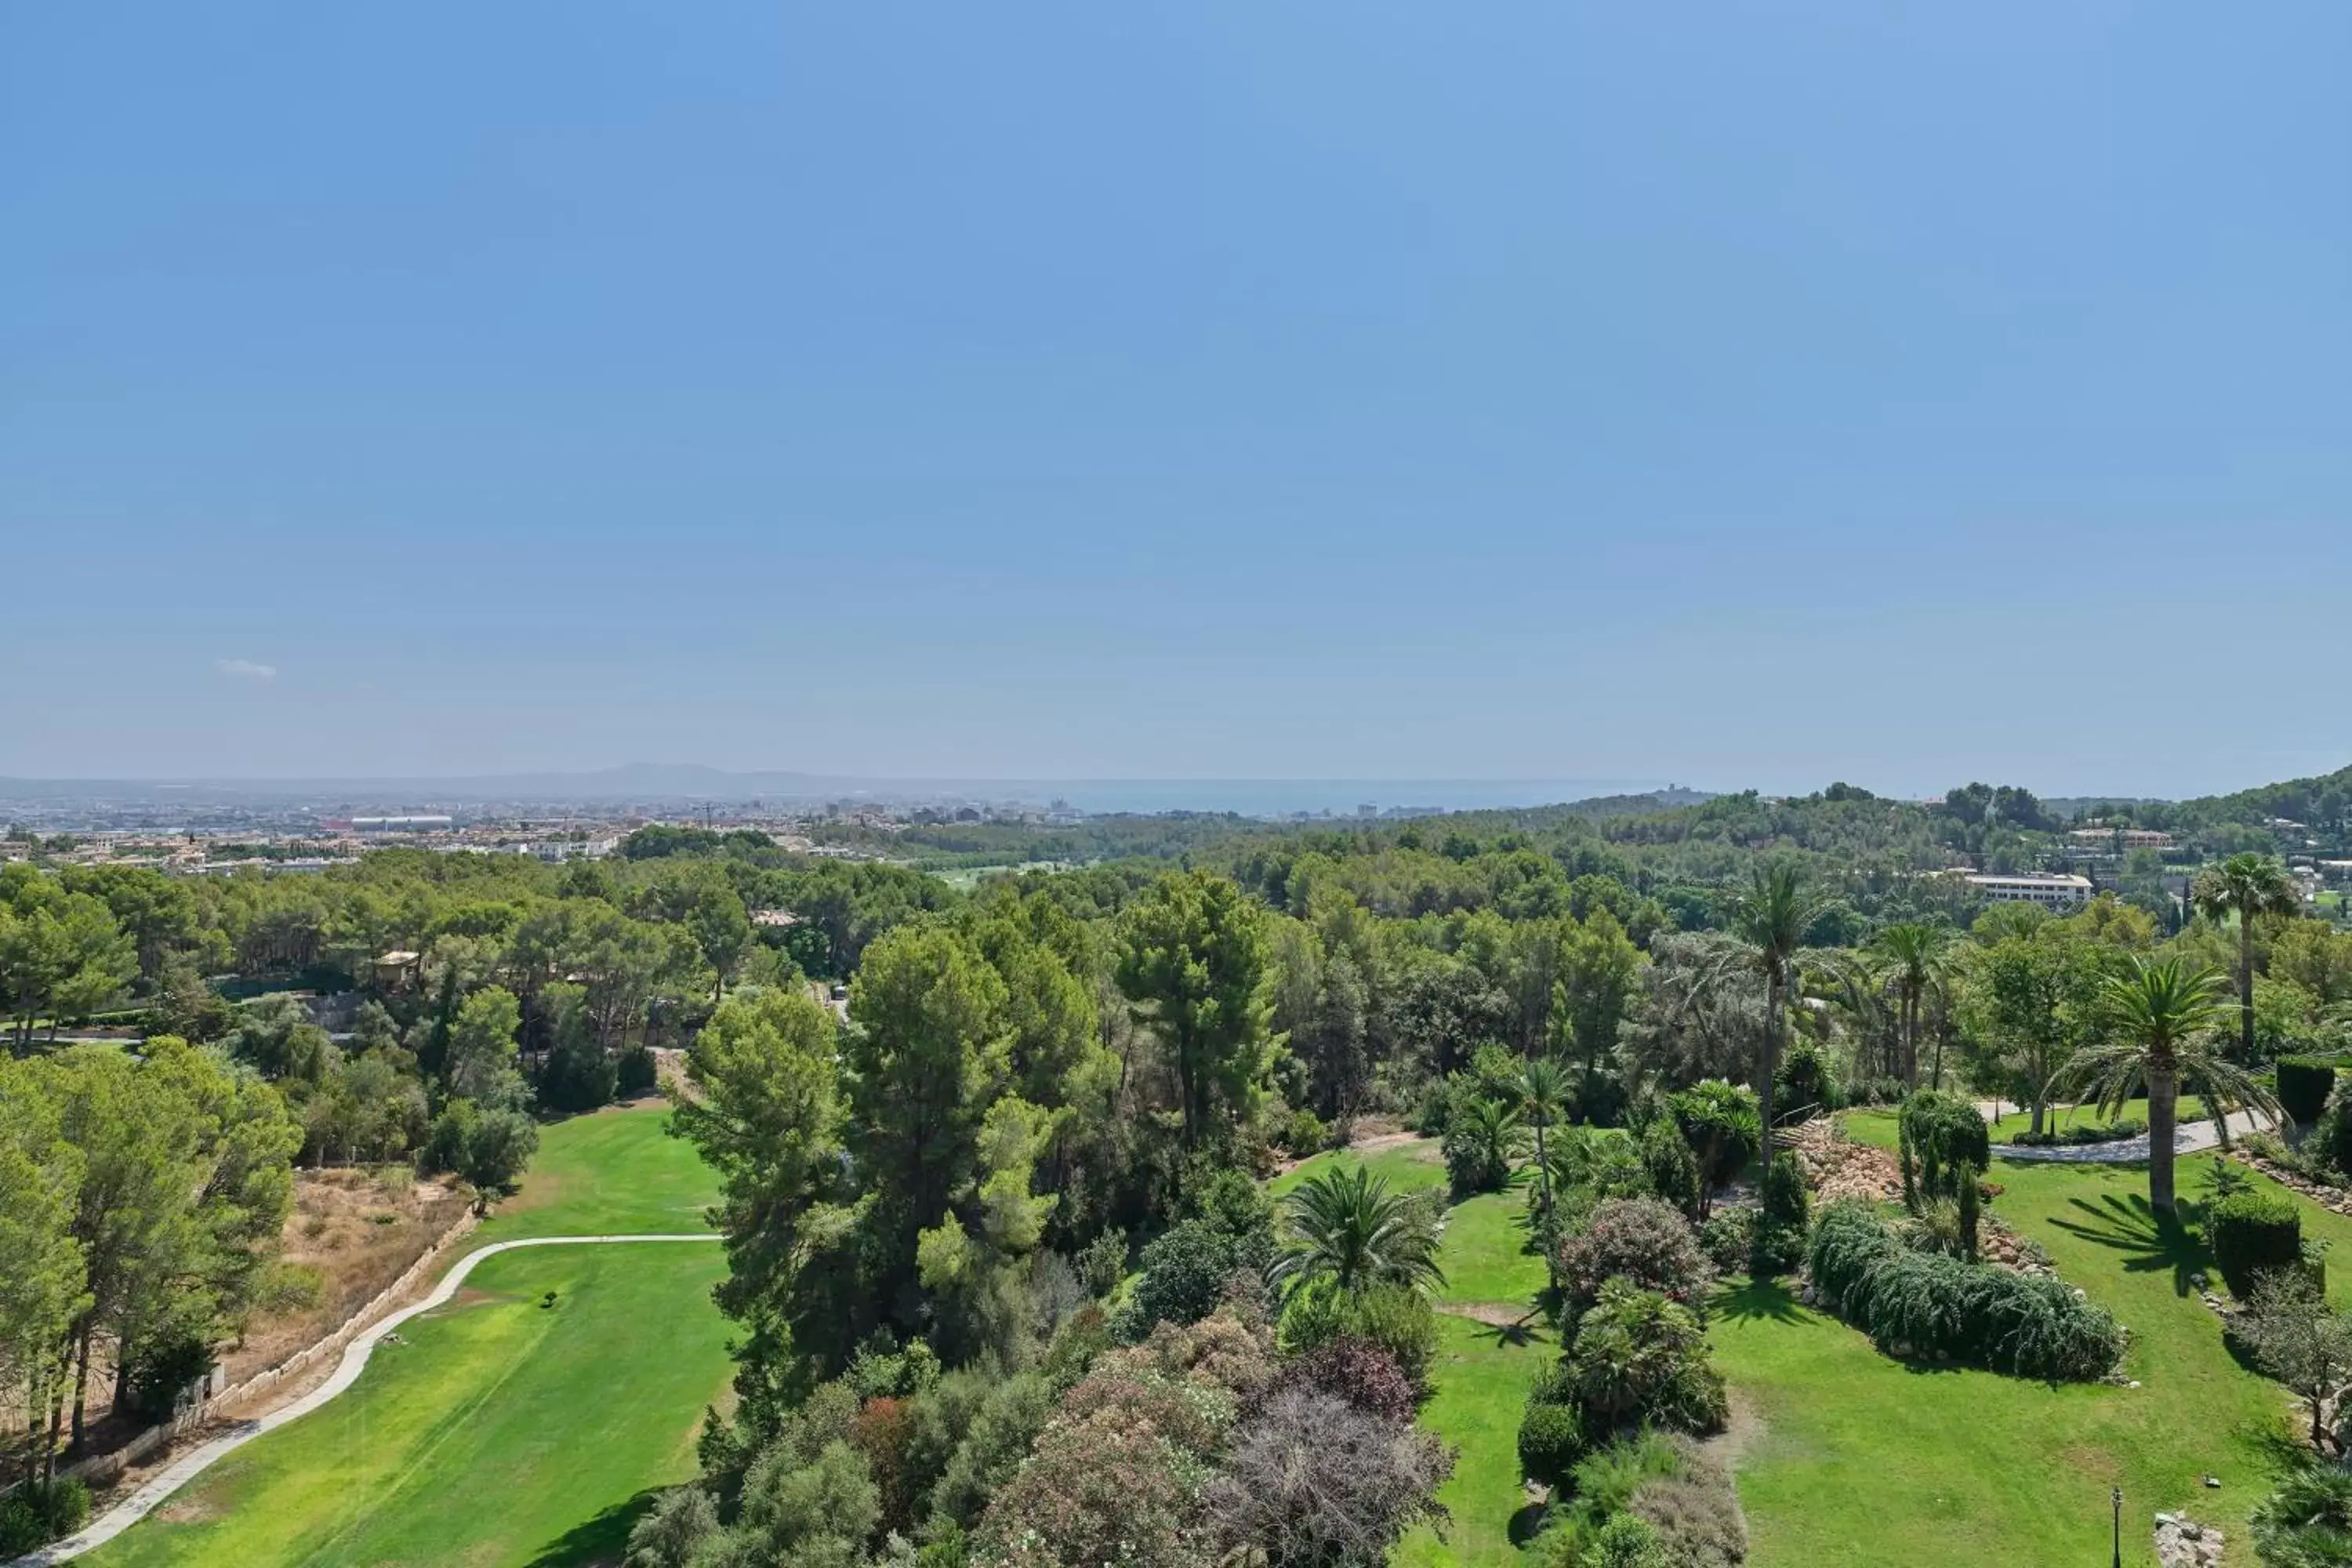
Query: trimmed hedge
[[1926, 1304], [2083, 1133], [2303, 1085], [2252, 1234]]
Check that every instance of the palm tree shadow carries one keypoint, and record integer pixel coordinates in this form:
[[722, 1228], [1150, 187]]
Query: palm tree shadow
[[2151, 1244], [1756, 1301], [1527, 1329]]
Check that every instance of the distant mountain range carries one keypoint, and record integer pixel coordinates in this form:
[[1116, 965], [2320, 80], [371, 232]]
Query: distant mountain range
[[653, 784]]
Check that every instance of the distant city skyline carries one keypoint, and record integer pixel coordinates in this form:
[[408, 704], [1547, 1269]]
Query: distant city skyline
[[1207, 391]]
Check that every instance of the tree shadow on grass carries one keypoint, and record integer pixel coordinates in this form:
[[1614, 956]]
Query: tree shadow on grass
[[2130, 1226], [1518, 1335], [1527, 1523], [602, 1539], [1758, 1301]]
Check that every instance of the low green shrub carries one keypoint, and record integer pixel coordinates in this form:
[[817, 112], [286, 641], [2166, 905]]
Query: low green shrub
[[1777, 1250], [1672, 1169], [1552, 1440], [1184, 1273], [1396, 1318], [2252, 1233], [1304, 1133], [2079, 1134], [1926, 1304], [35, 1515], [1726, 1236], [2305, 1084], [1627, 1541], [635, 1075], [2331, 1140]]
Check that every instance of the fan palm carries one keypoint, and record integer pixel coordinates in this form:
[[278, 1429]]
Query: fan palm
[[2246, 886], [2157, 1021], [1346, 1227], [1918, 955], [1768, 922]]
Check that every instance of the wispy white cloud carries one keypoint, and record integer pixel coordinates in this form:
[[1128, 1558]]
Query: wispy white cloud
[[245, 669]]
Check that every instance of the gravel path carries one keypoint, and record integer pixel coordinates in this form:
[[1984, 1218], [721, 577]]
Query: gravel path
[[188, 1466]]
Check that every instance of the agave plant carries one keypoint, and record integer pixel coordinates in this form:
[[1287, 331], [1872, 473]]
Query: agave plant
[[1344, 1224]]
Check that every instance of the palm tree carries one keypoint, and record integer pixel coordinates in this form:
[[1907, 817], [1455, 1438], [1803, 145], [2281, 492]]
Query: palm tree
[[1482, 1143], [2157, 1022], [1918, 955], [1768, 922], [1345, 1226], [2246, 886], [1543, 1091]]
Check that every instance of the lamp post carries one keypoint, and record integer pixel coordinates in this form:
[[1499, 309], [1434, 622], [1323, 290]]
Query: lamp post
[[2116, 1501]]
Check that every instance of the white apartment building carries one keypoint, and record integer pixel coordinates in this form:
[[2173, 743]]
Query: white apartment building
[[2051, 892]]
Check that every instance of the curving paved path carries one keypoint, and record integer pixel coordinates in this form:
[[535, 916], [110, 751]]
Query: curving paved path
[[188, 1466], [2188, 1137]]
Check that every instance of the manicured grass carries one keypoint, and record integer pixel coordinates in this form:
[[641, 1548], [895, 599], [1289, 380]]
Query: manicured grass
[[1863, 1459], [2012, 1123], [1484, 1253], [1481, 1376], [1482, 1373], [501, 1432], [613, 1173], [1406, 1168]]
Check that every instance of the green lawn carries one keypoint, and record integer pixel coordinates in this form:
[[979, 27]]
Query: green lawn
[[1482, 1372], [1863, 1459], [1481, 1377], [501, 1432], [1407, 1168], [611, 1174], [2013, 1121]]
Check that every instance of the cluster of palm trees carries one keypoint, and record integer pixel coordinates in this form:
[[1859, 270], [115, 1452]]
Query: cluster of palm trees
[[2159, 1029]]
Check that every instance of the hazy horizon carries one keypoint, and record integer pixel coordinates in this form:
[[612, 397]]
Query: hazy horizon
[[1272, 796]]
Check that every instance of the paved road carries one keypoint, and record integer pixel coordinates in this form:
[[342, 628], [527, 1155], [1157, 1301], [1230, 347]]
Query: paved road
[[188, 1466], [2188, 1137]]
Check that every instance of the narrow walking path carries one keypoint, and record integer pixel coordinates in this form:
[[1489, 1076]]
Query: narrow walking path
[[2188, 1137], [188, 1466]]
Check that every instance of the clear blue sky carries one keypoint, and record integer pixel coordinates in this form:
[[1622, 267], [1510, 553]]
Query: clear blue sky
[[1741, 393]]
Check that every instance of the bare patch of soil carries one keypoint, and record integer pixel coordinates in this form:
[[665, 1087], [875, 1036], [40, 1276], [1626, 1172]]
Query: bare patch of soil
[[360, 1230], [1494, 1314], [1739, 1434]]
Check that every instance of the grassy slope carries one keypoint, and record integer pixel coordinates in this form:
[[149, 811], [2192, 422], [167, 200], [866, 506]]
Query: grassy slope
[[611, 1173], [1482, 1372], [501, 1432], [1866, 1461]]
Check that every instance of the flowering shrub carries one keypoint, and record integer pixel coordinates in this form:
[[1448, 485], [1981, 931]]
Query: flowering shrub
[[1355, 1369], [1640, 1239]]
